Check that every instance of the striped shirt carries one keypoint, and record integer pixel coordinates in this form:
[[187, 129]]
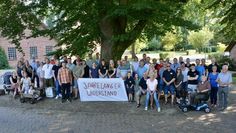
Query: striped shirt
[[64, 76]]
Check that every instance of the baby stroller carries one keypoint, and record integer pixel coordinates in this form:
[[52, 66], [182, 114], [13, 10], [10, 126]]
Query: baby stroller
[[7, 82], [200, 105], [33, 96]]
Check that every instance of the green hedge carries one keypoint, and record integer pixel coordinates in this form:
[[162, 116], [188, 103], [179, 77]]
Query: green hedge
[[3, 63], [226, 60]]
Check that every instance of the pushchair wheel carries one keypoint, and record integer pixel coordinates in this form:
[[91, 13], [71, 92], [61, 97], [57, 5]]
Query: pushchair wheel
[[32, 101], [22, 100], [184, 109], [207, 110]]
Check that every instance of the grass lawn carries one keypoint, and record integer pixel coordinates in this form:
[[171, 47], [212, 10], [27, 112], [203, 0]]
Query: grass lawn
[[234, 80]]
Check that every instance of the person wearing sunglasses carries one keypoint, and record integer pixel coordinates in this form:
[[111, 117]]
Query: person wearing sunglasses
[[169, 77]]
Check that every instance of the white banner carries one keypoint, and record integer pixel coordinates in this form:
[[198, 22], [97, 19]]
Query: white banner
[[102, 89]]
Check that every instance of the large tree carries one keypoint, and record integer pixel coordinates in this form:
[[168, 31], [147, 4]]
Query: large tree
[[225, 15], [81, 25]]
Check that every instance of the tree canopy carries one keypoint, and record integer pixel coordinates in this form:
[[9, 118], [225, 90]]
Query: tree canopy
[[81, 25], [225, 15]]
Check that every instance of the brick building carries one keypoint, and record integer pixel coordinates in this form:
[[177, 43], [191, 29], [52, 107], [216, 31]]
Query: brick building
[[33, 47]]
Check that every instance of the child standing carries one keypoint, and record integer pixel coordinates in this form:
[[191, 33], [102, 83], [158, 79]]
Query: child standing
[[129, 84]]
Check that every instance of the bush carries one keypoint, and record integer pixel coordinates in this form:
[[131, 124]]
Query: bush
[[221, 60], [213, 49], [215, 55], [163, 55], [3, 63]]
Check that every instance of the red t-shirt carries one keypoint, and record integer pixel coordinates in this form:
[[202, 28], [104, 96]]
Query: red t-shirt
[[158, 67]]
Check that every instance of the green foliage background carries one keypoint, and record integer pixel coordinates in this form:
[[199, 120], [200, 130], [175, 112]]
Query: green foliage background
[[3, 63]]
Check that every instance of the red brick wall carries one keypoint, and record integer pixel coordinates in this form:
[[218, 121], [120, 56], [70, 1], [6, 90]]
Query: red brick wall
[[39, 42]]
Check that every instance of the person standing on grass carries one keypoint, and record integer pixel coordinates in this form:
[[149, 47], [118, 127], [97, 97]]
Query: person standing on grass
[[152, 92], [212, 77], [169, 77], [224, 80], [65, 81]]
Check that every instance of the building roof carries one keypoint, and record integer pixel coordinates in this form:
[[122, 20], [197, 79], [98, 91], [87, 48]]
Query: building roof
[[230, 46]]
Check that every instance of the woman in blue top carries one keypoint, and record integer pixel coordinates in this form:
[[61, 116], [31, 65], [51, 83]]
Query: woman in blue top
[[94, 71], [214, 85]]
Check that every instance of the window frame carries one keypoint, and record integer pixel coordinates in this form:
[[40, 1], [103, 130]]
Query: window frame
[[33, 52], [11, 53], [48, 49]]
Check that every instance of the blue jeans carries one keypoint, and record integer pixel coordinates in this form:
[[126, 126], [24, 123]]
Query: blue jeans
[[169, 88], [58, 88], [148, 98]]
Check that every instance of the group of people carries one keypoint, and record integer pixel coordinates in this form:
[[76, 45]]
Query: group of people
[[141, 77]]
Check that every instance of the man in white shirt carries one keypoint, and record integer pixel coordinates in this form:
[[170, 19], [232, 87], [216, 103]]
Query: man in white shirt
[[48, 73]]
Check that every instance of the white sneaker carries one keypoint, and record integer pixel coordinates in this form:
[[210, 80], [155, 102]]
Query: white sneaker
[[158, 109], [146, 108], [60, 95], [57, 97]]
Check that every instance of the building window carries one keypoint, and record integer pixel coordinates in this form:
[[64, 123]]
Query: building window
[[33, 52], [11, 53], [48, 49]]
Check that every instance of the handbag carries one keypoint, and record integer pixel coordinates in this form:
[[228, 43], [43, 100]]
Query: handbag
[[49, 92]]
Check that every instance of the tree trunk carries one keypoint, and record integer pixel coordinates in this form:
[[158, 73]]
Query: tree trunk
[[110, 50], [133, 51], [106, 50]]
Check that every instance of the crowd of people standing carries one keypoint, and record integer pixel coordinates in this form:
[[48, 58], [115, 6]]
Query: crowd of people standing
[[142, 77]]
